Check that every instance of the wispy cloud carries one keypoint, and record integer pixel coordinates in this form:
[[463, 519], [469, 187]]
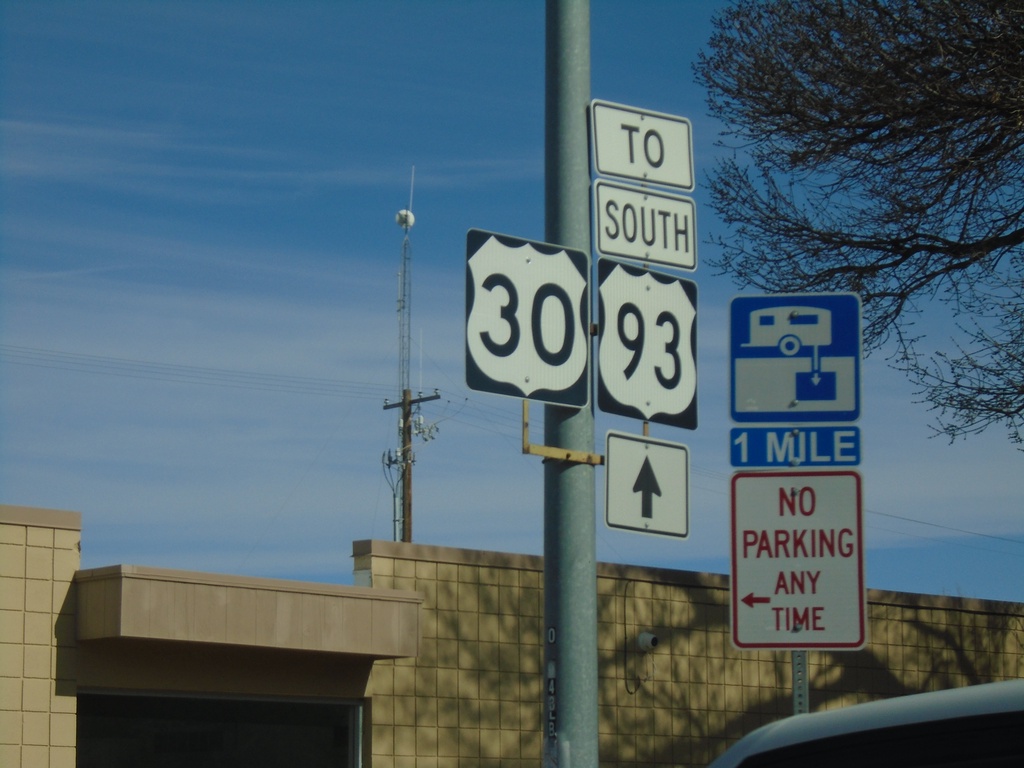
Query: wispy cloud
[[162, 162]]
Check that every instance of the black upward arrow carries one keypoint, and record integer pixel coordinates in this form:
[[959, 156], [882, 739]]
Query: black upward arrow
[[647, 485]]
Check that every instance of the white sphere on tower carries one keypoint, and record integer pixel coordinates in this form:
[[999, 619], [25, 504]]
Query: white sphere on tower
[[405, 219]]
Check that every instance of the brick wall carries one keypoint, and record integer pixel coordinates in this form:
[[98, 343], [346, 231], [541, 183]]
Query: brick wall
[[473, 696], [39, 554]]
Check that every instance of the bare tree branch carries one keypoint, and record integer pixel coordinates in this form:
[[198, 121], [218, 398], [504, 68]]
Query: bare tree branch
[[878, 147]]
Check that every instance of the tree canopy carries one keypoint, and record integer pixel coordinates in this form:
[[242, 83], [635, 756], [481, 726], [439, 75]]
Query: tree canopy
[[878, 147]]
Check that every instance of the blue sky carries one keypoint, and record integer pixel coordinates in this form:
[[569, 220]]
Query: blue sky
[[198, 283]]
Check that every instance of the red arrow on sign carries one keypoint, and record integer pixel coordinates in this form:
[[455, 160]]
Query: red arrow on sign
[[751, 601]]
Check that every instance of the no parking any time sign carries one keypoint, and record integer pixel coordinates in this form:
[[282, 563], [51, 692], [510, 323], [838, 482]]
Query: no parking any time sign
[[798, 561]]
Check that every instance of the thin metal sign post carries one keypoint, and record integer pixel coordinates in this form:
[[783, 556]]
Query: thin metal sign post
[[801, 687], [570, 569]]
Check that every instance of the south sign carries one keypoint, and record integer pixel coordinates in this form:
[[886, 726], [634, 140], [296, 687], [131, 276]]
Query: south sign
[[644, 225]]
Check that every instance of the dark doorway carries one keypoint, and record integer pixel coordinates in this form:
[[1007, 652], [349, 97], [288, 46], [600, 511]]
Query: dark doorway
[[169, 731]]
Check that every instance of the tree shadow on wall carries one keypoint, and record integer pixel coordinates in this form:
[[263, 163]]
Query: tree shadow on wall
[[688, 699]]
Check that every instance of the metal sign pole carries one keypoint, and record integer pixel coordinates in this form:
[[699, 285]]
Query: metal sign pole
[[570, 570], [801, 688]]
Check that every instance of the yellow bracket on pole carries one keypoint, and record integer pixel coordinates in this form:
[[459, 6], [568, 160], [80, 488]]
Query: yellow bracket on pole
[[559, 454]]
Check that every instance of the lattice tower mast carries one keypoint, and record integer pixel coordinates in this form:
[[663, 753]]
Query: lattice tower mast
[[403, 458]]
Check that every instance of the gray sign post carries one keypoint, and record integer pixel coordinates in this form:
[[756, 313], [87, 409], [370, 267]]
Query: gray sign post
[[570, 568]]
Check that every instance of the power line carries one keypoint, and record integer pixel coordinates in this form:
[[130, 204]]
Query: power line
[[477, 414], [188, 374], [946, 542], [482, 415], [947, 527]]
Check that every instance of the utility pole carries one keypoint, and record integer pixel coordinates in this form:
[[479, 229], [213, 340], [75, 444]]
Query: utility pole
[[404, 460], [570, 569]]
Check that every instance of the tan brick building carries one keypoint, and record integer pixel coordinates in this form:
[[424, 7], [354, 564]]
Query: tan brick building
[[39, 555], [433, 660], [473, 696]]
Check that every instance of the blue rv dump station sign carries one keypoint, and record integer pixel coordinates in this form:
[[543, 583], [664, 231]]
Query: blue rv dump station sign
[[795, 358]]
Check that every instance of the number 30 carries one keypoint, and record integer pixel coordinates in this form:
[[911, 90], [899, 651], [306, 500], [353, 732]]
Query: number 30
[[509, 314]]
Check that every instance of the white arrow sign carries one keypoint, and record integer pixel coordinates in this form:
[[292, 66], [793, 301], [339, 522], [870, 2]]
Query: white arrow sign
[[527, 319], [647, 359], [646, 485]]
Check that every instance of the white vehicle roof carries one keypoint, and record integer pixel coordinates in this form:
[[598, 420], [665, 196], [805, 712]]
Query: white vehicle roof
[[936, 706]]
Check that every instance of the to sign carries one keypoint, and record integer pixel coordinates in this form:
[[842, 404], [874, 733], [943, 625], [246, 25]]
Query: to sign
[[644, 225], [797, 560], [647, 359], [648, 147], [527, 319], [646, 485]]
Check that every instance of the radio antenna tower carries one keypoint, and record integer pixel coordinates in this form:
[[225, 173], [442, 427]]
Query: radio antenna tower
[[403, 458]]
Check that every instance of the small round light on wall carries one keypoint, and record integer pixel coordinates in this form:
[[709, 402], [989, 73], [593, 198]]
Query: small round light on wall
[[647, 641]]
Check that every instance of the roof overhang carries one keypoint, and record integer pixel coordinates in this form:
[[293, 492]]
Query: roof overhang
[[138, 603]]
